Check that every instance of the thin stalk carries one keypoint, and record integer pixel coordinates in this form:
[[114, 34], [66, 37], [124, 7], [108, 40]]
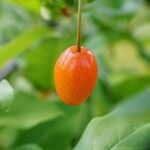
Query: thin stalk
[[79, 25]]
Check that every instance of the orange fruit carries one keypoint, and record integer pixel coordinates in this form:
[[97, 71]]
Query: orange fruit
[[75, 75]]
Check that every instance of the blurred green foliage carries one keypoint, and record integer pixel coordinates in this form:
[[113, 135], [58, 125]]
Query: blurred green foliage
[[6, 95], [33, 33]]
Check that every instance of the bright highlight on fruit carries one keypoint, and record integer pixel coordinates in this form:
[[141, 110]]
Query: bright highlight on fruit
[[75, 75]]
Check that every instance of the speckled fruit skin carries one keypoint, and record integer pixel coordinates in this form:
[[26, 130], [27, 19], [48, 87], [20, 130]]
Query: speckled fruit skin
[[75, 75]]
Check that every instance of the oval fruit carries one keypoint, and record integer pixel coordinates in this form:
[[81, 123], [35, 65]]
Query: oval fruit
[[75, 75]]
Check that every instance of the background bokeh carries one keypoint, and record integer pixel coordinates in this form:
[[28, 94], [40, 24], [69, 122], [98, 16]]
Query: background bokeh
[[33, 33]]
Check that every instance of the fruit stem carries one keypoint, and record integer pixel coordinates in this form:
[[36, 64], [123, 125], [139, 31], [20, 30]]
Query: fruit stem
[[79, 26]]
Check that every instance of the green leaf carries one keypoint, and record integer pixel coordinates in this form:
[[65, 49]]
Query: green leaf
[[15, 47], [127, 127], [131, 86], [41, 60], [58, 133], [43, 57], [142, 135], [121, 9], [27, 111], [99, 103], [10, 29], [32, 6], [6, 94], [90, 1], [7, 137], [28, 147]]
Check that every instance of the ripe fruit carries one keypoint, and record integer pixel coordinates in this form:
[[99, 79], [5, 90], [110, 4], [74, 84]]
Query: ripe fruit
[[75, 75]]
